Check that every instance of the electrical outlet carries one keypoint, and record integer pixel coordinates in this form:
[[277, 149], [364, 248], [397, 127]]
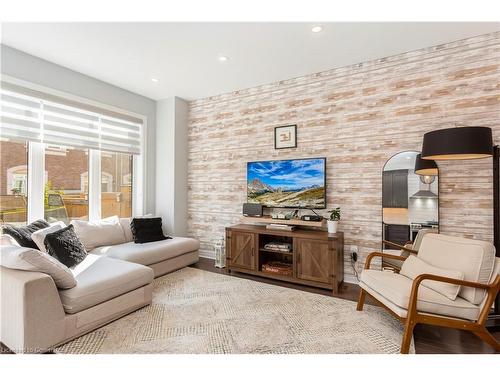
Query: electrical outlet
[[354, 254]]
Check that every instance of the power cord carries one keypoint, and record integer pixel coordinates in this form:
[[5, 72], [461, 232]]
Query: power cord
[[354, 259]]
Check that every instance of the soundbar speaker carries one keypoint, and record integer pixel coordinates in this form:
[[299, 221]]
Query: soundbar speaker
[[252, 209]]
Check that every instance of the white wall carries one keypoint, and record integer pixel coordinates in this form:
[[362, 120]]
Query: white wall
[[30, 68], [171, 156]]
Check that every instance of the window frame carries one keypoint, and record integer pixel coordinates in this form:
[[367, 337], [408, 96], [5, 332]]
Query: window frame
[[36, 162]]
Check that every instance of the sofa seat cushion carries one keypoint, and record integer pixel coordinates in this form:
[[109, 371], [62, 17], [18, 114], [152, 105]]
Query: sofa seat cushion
[[396, 288], [151, 252], [100, 279]]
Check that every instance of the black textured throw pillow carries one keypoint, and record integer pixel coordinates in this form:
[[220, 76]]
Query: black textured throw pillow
[[65, 246], [23, 234], [147, 230]]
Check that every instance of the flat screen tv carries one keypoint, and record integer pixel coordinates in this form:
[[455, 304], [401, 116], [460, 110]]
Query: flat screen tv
[[298, 183]]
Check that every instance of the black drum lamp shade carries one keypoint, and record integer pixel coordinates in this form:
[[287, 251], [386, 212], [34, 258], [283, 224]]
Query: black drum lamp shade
[[425, 167], [474, 142]]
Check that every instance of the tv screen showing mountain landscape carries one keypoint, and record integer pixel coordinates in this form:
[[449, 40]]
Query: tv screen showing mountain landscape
[[287, 183]]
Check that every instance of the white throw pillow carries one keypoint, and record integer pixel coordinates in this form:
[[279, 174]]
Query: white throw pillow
[[8, 240], [125, 223], [103, 232], [38, 237], [414, 266], [28, 259]]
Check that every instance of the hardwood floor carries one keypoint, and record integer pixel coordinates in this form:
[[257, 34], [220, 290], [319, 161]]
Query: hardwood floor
[[428, 339]]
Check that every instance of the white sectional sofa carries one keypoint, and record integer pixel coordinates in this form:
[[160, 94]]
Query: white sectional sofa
[[112, 281]]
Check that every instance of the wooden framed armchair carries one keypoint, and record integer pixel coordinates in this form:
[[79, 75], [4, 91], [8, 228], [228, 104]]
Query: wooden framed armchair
[[422, 294]]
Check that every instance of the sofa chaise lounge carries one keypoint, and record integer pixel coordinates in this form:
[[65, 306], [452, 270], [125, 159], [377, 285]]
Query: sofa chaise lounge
[[112, 281]]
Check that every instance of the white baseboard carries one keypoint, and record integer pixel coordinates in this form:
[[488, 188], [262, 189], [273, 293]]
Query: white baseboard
[[207, 254]]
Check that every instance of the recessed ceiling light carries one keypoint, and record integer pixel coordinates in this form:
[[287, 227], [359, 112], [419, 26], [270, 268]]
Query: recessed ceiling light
[[317, 29], [154, 80], [223, 58]]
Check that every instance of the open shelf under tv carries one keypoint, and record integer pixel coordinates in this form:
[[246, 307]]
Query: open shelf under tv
[[270, 220]]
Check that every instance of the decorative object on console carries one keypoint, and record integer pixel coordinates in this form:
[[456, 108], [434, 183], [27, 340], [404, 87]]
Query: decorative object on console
[[333, 220], [278, 268], [285, 136], [65, 246], [278, 246], [23, 234], [311, 218], [280, 227], [466, 143], [252, 209], [282, 215], [148, 229]]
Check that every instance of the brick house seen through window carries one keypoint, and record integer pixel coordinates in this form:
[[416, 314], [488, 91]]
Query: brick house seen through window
[[66, 176]]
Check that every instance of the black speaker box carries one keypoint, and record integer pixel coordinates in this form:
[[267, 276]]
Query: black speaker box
[[252, 209]]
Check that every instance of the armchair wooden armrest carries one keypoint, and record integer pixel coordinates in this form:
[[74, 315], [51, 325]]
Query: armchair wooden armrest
[[400, 247], [382, 255], [492, 290]]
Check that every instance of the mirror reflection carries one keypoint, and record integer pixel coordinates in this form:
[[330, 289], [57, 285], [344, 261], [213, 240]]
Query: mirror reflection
[[410, 201]]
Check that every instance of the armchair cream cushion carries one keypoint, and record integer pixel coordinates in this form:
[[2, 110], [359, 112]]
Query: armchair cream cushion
[[413, 266], [393, 290], [474, 258]]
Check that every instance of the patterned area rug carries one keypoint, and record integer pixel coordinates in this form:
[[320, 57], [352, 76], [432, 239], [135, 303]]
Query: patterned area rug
[[195, 311]]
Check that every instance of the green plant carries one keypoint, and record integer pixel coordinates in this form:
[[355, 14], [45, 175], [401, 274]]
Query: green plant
[[334, 214]]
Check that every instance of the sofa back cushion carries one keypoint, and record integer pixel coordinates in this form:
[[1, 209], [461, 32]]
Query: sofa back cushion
[[125, 222], [39, 236], [474, 258], [29, 259], [97, 233], [23, 234], [413, 266]]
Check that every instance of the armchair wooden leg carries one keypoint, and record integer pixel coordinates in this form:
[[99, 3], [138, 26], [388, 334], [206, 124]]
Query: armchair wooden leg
[[408, 334], [361, 299], [484, 335]]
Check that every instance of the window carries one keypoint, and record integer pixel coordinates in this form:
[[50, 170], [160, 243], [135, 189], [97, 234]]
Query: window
[[13, 182], [116, 184], [66, 197], [78, 156]]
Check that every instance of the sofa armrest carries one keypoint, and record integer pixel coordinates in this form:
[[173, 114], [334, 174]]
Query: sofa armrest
[[32, 315]]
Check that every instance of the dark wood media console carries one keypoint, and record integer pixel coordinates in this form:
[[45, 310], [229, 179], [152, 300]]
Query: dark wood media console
[[316, 258]]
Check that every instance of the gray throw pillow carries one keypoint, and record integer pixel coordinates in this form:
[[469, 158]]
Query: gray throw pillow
[[23, 234], [65, 246]]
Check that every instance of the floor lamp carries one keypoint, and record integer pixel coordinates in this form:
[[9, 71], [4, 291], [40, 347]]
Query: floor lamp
[[466, 143]]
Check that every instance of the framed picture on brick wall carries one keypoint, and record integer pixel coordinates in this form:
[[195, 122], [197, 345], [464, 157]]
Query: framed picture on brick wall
[[285, 136]]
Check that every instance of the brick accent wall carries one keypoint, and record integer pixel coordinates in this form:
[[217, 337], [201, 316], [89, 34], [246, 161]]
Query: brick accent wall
[[357, 116]]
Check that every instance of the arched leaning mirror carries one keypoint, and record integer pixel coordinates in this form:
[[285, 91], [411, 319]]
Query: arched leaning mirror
[[410, 200]]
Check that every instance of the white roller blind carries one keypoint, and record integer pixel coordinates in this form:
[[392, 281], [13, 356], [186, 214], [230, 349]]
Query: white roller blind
[[44, 118]]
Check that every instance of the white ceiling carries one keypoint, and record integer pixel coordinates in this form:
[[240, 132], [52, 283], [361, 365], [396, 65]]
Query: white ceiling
[[184, 56]]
